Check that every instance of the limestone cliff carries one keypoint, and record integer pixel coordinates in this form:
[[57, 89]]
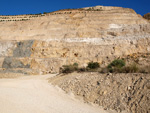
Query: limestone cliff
[[99, 33]]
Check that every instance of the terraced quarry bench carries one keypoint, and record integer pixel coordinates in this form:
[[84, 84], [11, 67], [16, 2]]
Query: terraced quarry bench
[[43, 44]]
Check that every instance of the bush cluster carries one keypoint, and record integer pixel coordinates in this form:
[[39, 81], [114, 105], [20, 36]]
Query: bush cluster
[[92, 66]]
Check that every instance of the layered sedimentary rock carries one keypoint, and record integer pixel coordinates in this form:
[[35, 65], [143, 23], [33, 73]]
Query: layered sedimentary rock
[[44, 44]]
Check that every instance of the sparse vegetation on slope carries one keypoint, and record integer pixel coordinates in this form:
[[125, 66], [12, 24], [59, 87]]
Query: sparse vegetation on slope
[[116, 66]]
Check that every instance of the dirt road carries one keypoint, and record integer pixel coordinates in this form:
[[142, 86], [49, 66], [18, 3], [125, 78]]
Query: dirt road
[[33, 94]]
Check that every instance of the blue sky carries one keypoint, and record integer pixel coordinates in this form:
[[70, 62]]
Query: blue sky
[[15, 7]]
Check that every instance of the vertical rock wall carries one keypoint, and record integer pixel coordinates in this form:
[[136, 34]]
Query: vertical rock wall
[[41, 56]]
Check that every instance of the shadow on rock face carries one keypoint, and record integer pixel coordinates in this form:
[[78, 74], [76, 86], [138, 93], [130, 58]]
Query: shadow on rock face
[[10, 62], [23, 49]]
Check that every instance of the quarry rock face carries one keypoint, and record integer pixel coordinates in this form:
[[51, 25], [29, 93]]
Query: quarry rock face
[[43, 44]]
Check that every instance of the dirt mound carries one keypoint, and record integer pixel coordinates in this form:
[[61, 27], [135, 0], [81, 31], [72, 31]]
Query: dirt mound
[[121, 92]]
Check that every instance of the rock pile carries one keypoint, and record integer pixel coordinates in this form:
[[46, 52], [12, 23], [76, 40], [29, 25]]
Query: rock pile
[[120, 92]]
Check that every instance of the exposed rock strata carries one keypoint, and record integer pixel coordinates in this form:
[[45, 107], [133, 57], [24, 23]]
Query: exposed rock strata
[[46, 43]]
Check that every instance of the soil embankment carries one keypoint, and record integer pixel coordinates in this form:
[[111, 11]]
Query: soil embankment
[[120, 92]]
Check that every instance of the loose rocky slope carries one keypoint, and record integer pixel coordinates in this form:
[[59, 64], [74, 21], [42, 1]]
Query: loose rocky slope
[[44, 44], [120, 92]]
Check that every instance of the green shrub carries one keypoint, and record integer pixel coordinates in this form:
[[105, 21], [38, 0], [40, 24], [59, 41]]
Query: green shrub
[[116, 65], [93, 65]]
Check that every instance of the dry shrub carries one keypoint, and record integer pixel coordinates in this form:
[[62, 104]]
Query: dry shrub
[[69, 68]]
